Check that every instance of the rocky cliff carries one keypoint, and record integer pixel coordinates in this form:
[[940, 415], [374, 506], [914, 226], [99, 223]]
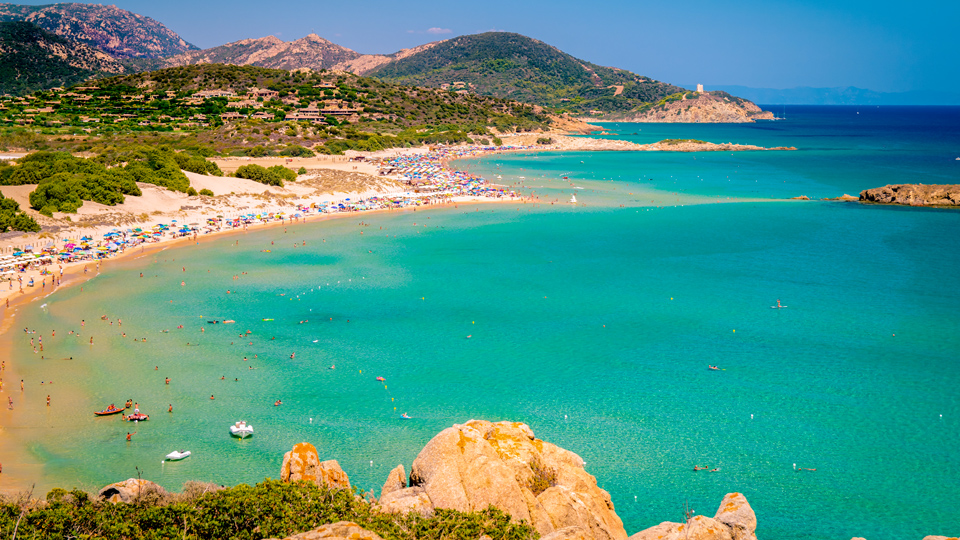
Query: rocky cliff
[[311, 51], [913, 195], [691, 107], [117, 32]]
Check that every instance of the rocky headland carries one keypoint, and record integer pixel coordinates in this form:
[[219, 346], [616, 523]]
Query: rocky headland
[[914, 195], [706, 107]]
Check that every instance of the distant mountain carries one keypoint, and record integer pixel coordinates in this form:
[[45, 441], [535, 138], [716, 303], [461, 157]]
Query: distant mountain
[[312, 52], [33, 59], [848, 95], [518, 67], [117, 32]]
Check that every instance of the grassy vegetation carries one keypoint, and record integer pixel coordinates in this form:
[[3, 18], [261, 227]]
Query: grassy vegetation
[[269, 509]]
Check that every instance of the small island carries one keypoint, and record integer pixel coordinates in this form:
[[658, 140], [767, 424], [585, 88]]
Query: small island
[[942, 195]]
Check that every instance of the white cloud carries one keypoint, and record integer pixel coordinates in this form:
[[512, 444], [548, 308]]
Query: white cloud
[[436, 30]]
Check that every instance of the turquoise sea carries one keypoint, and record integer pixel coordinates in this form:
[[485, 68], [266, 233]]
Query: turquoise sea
[[594, 324]]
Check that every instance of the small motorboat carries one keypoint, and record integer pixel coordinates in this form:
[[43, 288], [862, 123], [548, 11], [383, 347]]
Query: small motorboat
[[109, 410], [138, 417], [177, 455], [241, 429]]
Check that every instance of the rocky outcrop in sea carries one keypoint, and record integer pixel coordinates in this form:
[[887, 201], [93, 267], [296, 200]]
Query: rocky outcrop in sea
[[913, 195]]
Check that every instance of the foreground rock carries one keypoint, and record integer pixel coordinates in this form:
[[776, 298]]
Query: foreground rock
[[474, 465], [303, 463], [341, 530], [914, 195], [130, 490], [734, 520]]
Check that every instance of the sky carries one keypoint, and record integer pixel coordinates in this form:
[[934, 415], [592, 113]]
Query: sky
[[879, 44]]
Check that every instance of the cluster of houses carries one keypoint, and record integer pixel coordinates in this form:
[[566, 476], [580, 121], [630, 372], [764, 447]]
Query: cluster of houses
[[84, 105]]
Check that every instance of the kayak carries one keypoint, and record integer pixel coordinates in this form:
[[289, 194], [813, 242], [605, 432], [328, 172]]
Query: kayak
[[108, 411]]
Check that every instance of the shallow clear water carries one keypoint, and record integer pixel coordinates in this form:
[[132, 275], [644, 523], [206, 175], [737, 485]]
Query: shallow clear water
[[594, 325]]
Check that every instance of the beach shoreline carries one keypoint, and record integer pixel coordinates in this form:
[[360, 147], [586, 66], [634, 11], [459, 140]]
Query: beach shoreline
[[12, 449], [13, 301]]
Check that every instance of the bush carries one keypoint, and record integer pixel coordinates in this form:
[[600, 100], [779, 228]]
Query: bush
[[269, 509], [11, 218], [191, 191], [274, 176], [543, 477], [545, 140], [301, 170], [295, 150], [206, 192]]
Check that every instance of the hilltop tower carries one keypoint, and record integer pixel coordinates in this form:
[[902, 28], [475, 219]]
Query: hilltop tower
[[699, 88]]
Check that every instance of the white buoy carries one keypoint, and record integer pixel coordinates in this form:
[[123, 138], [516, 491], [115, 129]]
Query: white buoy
[[751, 417], [311, 420], [794, 466], [371, 463]]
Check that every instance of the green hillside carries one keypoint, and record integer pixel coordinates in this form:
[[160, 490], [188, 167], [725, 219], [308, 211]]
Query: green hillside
[[517, 67], [33, 59]]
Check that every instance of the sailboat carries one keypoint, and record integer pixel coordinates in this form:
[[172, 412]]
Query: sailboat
[[573, 199]]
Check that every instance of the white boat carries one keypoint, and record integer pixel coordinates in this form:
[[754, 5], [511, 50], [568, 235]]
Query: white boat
[[177, 455], [573, 199], [241, 429]]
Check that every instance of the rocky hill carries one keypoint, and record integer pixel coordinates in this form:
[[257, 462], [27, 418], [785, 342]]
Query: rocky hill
[[117, 32], [518, 67], [706, 107], [501, 64], [312, 52], [32, 59], [913, 195]]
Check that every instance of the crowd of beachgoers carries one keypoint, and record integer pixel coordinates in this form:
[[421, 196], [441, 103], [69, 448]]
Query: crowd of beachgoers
[[430, 182]]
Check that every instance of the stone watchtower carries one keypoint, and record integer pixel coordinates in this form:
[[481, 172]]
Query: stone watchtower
[[699, 88]]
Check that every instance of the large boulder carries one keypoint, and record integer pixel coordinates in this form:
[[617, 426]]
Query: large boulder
[[396, 480], [474, 465], [412, 499], [303, 463], [735, 512], [734, 520], [568, 533], [130, 490], [341, 530], [939, 538]]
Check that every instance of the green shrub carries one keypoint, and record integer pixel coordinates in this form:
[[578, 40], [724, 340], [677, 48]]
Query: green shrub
[[544, 140], [274, 176], [12, 219], [191, 191], [301, 170], [206, 192], [269, 509]]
